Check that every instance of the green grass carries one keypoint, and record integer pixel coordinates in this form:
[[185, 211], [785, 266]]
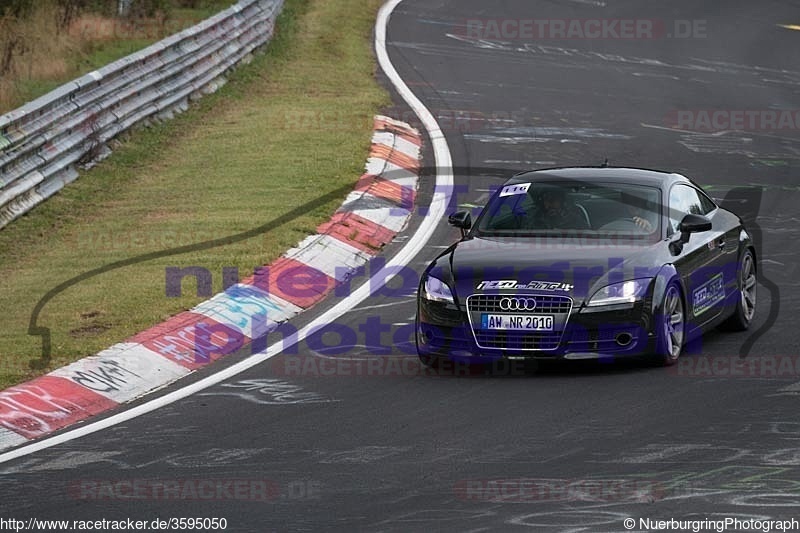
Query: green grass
[[291, 126]]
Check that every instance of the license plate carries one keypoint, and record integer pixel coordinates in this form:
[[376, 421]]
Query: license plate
[[517, 322]]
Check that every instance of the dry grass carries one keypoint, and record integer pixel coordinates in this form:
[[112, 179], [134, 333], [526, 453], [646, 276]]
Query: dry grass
[[32, 48], [37, 54]]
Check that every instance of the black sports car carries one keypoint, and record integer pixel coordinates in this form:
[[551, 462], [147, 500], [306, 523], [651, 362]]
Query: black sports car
[[587, 262]]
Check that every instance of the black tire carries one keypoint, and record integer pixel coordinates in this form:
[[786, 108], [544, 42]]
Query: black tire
[[746, 284], [670, 326]]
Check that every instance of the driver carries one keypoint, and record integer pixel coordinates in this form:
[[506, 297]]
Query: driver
[[640, 212], [553, 211]]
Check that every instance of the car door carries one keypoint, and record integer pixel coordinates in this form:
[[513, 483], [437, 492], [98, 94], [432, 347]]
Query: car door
[[702, 261]]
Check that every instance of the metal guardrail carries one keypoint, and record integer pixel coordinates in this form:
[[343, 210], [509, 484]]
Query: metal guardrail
[[44, 142]]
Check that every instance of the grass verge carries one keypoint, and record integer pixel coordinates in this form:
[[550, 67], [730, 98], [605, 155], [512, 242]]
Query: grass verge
[[291, 126]]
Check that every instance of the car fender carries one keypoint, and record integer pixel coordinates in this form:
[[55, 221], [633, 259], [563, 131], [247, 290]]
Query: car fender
[[746, 242], [441, 267], [666, 275]]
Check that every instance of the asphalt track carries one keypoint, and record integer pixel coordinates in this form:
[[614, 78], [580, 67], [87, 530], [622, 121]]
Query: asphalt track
[[375, 444]]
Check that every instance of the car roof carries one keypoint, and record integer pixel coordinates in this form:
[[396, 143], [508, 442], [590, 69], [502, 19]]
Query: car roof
[[640, 176]]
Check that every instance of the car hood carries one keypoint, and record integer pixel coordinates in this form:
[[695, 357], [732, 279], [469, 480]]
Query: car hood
[[574, 267]]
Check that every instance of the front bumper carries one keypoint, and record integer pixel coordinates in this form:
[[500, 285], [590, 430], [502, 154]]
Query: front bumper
[[445, 331]]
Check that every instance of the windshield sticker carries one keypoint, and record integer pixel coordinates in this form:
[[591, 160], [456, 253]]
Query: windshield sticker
[[514, 284], [517, 188]]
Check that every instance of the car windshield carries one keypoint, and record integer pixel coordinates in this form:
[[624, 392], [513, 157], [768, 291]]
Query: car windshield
[[573, 207]]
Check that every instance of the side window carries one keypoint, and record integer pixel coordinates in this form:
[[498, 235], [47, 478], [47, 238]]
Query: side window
[[684, 199], [707, 203]]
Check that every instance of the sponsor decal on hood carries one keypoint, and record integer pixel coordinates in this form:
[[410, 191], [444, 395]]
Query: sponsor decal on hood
[[533, 285]]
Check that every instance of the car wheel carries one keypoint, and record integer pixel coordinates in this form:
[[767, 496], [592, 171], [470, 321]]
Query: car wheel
[[670, 326], [746, 302]]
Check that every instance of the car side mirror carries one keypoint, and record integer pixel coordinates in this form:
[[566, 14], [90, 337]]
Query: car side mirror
[[691, 223], [461, 220]]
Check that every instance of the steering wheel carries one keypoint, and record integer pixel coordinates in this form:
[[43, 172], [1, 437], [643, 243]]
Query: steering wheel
[[623, 224]]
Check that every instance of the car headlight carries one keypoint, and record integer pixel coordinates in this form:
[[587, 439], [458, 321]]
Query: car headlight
[[436, 290], [626, 292]]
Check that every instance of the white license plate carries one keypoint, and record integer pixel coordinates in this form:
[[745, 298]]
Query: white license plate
[[517, 322]]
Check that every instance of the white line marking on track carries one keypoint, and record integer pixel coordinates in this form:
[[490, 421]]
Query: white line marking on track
[[405, 300], [439, 203]]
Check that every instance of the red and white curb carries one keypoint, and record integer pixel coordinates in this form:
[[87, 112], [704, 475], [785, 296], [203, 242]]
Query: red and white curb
[[378, 208]]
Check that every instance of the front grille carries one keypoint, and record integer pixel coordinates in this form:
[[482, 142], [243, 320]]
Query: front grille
[[515, 340], [559, 307], [490, 303]]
